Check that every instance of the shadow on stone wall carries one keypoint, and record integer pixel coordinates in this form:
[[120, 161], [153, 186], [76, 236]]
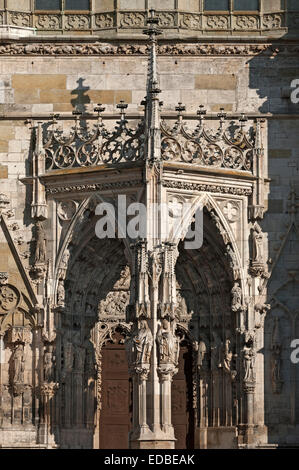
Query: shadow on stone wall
[[270, 76]]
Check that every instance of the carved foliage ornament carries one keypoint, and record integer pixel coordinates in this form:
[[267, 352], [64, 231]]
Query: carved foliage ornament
[[94, 48]]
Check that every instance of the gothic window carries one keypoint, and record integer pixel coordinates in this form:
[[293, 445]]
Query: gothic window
[[47, 4], [216, 4], [76, 4], [244, 5], [62, 4], [293, 5]]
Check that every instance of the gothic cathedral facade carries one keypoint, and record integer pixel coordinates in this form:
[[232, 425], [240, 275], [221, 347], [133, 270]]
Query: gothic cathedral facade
[[145, 338]]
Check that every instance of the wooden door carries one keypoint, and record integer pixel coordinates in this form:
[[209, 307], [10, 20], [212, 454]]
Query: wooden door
[[181, 400], [116, 412]]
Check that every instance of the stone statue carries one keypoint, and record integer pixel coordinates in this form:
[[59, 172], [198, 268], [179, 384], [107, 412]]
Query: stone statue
[[236, 297], [18, 364], [257, 245], [40, 246], [48, 366], [139, 345], [201, 353], [60, 293], [248, 362], [227, 355], [143, 342], [168, 343], [63, 264]]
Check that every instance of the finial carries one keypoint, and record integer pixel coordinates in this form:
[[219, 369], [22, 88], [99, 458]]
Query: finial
[[201, 111], [243, 119], [222, 115], [180, 108], [152, 31], [122, 106], [99, 108]]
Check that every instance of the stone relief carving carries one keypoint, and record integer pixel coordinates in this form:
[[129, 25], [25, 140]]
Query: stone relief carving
[[272, 21], [132, 19], [139, 49], [20, 19], [166, 19], [77, 22], [48, 22], [66, 210], [104, 20], [190, 21], [217, 22], [246, 22]]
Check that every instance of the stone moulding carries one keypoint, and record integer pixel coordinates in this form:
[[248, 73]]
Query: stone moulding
[[95, 48], [93, 187], [214, 188]]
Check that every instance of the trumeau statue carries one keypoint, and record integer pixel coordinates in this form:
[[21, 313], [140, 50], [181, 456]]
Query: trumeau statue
[[248, 362], [168, 343], [139, 345]]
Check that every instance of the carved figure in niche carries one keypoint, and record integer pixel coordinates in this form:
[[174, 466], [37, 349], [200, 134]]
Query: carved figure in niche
[[60, 293], [248, 362], [168, 343], [236, 297], [64, 264], [48, 365], [201, 354], [18, 364], [227, 355], [216, 351], [257, 244], [40, 246], [140, 344], [143, 343]]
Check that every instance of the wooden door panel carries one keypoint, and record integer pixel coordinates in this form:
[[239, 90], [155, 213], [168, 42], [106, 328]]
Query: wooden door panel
[[115, 416], [181, 401]]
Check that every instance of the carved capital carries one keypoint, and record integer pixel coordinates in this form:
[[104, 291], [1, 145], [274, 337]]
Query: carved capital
[[48, 389]]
